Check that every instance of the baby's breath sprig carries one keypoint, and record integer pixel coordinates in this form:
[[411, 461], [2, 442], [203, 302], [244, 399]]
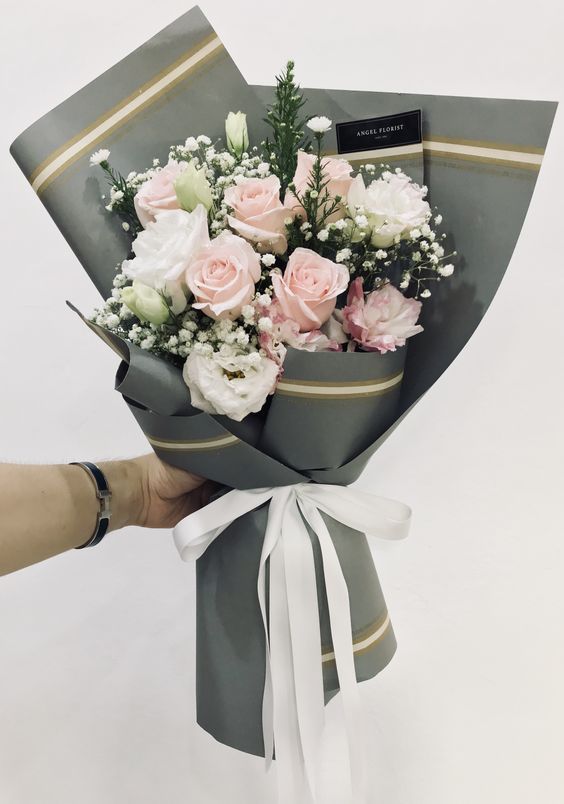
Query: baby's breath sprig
[[121, 192]]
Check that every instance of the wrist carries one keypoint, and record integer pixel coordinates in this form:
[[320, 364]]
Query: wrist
[[126, 484]]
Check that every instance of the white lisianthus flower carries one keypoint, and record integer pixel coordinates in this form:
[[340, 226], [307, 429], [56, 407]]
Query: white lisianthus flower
[[231, 385], [99, 156], [146, 303], [193, 188], [165, 248], [393, 205], [191, 144], [236, 132], [319, 125]]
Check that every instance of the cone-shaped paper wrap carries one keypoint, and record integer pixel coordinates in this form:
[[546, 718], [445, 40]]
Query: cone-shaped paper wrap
[[331, 411]]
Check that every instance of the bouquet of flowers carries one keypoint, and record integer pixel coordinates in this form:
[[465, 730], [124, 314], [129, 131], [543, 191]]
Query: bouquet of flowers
[[263, 314], [262, 305], [240, 253]]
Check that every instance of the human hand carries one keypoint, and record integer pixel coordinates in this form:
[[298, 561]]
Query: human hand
[[168, 494], [153, 494]]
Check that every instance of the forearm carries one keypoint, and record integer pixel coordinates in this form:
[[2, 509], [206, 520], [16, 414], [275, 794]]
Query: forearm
[[45, 510]]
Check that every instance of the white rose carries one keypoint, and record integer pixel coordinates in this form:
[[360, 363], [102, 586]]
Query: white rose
[[164, 249], [230, 385], [236, 132], [393, 206]]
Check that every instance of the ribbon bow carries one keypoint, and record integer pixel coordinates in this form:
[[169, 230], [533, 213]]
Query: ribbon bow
[[293, 701]]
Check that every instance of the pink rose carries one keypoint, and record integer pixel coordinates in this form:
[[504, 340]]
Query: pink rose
[[309, 288], [382, 320], [337, 171], [158, 193], [222, 276], [258, 213]]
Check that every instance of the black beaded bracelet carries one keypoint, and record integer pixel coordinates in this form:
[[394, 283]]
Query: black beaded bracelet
[[104, 494]]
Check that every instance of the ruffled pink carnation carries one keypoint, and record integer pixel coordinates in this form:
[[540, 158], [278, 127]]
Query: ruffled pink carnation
[[382, 320]]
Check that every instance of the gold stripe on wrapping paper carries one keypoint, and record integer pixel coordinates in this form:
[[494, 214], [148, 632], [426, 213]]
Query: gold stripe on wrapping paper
[[307, 389], [195, 445], [363, 641], [528, 157], [490, 153], [57, 162], [504, 146], [403, 152]]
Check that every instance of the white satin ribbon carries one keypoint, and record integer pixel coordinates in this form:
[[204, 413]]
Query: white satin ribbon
[[293, 699]]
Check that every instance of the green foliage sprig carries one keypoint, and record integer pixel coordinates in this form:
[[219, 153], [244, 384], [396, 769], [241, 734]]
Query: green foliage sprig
[[318, 204], [283, 116]]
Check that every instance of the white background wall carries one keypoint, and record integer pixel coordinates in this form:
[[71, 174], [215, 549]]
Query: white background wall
[[96, 663]]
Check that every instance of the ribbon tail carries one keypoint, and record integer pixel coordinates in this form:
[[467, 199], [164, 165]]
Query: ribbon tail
[[289, 757], [303, 613], [341, 635], [271, 536]]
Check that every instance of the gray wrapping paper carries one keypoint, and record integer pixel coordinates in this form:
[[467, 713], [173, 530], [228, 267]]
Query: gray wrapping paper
[[481, 159], [481, 168]]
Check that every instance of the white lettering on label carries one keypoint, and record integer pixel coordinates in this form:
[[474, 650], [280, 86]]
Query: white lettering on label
[[382, 130]]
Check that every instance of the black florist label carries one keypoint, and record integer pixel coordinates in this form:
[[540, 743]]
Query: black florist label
[[379, 132]]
